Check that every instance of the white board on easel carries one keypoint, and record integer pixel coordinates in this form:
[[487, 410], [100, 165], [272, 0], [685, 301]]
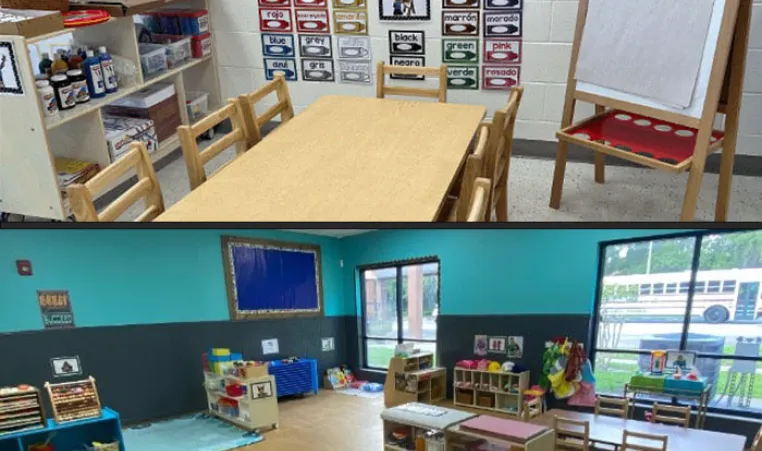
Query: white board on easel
[[696, 106]]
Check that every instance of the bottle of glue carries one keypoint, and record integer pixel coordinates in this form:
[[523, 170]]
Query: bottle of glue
[[94, 73], [109, 76]]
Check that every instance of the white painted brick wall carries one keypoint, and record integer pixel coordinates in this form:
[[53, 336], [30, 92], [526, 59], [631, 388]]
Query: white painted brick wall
[[548, 33]]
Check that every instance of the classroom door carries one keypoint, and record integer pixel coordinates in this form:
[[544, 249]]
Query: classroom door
[[746, 303]]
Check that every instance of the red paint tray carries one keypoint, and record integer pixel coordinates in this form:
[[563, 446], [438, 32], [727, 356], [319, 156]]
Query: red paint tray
[[644, 140]]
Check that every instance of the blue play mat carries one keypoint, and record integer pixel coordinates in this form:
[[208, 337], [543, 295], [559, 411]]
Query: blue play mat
[[200, 432]]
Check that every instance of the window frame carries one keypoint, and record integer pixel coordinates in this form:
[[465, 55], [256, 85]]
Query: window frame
[[698, 235], [397, 265]]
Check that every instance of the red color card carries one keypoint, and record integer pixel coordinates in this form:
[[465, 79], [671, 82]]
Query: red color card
[[311, 3], [313, 21], [500, 77], [517, 431], [502, 51], [275, 3], [272, 19]]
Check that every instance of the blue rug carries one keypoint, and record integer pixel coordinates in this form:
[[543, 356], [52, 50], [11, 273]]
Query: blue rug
[[199, 432]]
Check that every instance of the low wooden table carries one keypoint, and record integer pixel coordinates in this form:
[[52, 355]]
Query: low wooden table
[[343, 159], [609, 430]]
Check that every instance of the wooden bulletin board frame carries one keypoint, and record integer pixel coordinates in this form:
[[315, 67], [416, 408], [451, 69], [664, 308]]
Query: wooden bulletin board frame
[[239, 315]]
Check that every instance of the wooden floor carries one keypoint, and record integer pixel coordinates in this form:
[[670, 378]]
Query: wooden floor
[[331, 422]]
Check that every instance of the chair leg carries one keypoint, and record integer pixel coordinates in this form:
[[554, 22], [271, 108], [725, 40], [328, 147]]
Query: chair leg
[[600, 159], [726, 182], [501, 209], [558, 175], [692, 190]]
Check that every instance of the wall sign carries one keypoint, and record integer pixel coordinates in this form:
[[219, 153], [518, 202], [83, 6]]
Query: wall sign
[[503, 4], [270, 346], [349, 4], [285, 66], [278, 44], [496, 345], [500, 78], [404, 10], [351, 47], [327, 344], [502, 24], [407, 42], [66, 366], [408, 61], [355, 72], [275, 3], [260, 390], [55, 308], [480, 345], [502, 51], [460, 4], [460, 23], [311, 3], [515, 347], [10, 81], [316, 46], [350, 22], [317, 69], [275, 20], [460, 51], [463, 77], [312, 21]]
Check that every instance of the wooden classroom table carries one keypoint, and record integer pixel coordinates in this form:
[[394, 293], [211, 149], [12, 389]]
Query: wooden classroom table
[[608, 430], [343, 159]]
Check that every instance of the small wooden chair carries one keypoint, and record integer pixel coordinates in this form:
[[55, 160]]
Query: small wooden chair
[[500, 148], [382, 90], [147, 187], [621, 406], [195, 159], [478, 211], [284, 107], [457, 207], [682, 417], [629, 445], [569, 436]]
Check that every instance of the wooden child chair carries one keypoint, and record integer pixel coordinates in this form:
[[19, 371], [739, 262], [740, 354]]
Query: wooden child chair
[[617, 407], [569, 436], [457, 207], [478, 211], [662, 414], [633, 441], [382, 90], [284, 107], [195, 159], [147, 187]]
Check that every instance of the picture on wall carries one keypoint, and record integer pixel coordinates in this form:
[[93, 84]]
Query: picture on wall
[[480, 345], [10, 81], [55, 308], [261, 390], [496, 345], [66, 366], [404, 9], [514, 348]]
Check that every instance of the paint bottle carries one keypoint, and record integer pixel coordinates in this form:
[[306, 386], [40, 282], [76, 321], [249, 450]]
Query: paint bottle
[[94, 74], [63, 91], [45, 64], [47, 98], [75, 60], [59, 66], [79, 85], [109, 76]]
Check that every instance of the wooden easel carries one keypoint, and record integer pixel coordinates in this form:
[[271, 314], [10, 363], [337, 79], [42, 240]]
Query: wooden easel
[[723, 96]]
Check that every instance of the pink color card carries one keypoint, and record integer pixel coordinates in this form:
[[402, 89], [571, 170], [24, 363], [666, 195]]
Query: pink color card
[[506, 429]]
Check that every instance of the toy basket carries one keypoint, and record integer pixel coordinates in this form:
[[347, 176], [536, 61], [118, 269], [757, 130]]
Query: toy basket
[[465, 396], [45, 5]]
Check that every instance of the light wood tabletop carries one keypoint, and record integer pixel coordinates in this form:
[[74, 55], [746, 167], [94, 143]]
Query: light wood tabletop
[[343, 159], [609, 430]]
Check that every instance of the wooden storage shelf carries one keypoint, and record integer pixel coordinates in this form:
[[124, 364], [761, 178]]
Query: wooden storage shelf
[[21, 410], [413, 379], [255, 410], [486, 390]]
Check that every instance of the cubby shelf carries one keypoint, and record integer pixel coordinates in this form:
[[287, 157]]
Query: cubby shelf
[[486, 390]]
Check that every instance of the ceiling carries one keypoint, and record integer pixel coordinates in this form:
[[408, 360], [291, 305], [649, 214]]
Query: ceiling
[[336, 233]]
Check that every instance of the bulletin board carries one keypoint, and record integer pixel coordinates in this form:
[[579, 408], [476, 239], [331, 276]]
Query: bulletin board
[[268, 279]]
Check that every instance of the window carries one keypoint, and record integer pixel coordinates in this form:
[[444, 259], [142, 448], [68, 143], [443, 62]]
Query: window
[[400, 304], [720, 318]]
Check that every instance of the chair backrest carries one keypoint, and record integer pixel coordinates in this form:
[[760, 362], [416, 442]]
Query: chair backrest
[[147, 187], [756, 444], [671, 414], [571, 434], [474, 168], [382, 90], [195, 160], [634, 441], [621, 406], [284, 107], [478, 211], [500, 148]]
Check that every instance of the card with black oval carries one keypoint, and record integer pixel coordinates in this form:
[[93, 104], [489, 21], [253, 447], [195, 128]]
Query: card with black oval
[[278, 44], [514, 5], [460, 51], [407, 61], [502, 24], [353, 47], [460, 23], [407, 42], [355, 72], [317, 69], [463, 77], [315, 46]]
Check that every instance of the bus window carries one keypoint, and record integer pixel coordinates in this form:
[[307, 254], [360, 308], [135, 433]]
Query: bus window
[[729, 286], [671, 288], [645, 289], [684, 287], [700, 287], [658, 288], [713, 286]]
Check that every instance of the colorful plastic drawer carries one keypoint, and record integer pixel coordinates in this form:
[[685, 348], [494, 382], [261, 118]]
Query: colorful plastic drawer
[[647, 141]]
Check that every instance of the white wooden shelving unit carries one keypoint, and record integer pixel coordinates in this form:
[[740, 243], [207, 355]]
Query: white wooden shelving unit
[[29, 141], [256, 410], [487, 390]]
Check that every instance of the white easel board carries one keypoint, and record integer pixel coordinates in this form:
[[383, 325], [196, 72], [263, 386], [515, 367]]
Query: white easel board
[[699, 92]]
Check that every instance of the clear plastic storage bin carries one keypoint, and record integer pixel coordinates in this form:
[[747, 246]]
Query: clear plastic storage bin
[[197, 103], [153, 58], [178, 48]]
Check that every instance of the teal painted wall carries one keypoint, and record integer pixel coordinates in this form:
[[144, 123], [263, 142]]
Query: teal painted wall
[[487, 272], [118, 277]]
